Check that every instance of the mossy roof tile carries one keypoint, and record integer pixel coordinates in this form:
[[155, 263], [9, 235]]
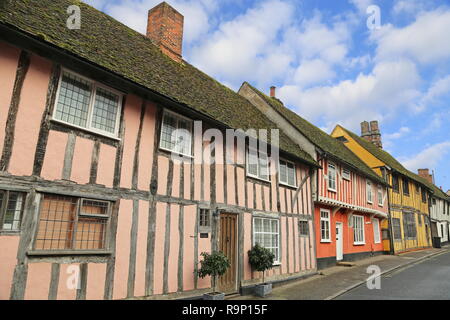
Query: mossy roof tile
[[113, 46]]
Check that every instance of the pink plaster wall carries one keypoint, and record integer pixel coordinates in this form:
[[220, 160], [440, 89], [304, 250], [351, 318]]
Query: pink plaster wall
[[174, 249], [230, 187], [106, 165], [163, 171], [296, 246], [250, 195], [190, 213], [9, 59], [241, 186], [82, 157], [283, 246], [158, 262], [187, 180], [291, 245], [197, 181], [247, 245], [176, 178], [8, 253], [66, 286], [131, 118], [123, 242], [38, 281], [207, 182], [258, 197], [54, 156], [96, 281], [146, 148], [302, 254], [29, 116], [141, 249]]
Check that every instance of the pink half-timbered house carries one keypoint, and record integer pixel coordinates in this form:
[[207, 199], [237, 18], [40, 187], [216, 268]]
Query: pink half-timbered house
[[93, 205], [350, 199]]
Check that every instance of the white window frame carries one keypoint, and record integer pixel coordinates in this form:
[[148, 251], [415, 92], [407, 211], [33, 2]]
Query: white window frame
[[286, 183], [277, 260], [328, 221], [179, 116], [94, 86], [376, 231], [334, 167], [356, 238], [346, 174], [369, 191], [380, 196], [257, 176]]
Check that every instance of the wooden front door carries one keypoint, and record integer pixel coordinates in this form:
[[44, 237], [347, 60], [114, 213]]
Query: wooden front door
[[228, 245]]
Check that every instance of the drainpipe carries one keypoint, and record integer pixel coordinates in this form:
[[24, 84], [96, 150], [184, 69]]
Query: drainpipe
[[391, 227]]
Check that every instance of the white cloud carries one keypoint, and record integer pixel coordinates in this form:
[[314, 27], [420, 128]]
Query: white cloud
[[313, 72], [377, 95], [426, 40], [403, 131], [427, 158]]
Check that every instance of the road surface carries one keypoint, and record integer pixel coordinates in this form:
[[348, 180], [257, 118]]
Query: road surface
[[428, 279]]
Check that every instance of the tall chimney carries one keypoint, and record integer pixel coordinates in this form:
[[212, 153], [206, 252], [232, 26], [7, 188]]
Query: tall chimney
[[273, 91], [165, 28], [425, 173], [365, 132], [375, 134]]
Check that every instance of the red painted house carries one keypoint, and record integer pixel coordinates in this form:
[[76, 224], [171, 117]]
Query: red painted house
[[350, 199]]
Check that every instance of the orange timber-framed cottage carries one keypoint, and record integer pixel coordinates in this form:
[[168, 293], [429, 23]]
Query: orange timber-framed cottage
[[92, 203]]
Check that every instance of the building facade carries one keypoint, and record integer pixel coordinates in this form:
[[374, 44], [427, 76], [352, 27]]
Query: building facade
[[350, 199], [105, 189], [409, 195]]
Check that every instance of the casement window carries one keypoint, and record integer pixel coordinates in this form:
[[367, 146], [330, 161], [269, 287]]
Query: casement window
[[376, 230], [405, 186], [417, 188], [380, 196], [409, 225], [11, 209], [287, 173], [325, 235], [346, 174], [176, 134], [266, 232], [369, 191], [332, 177], [86, 104], [257, 165], [395, 183], [204, 220], [72, 224], [303, 228], [424, 195], [397, 229], [358, 230]]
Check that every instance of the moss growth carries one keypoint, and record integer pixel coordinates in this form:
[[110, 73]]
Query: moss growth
[[108, 43]]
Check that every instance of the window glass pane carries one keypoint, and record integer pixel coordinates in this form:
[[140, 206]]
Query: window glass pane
[[13, 211], [73, 101], [263, 167], [283, 172], [167, 132], [252, 165], [291, 174], [90, 234], [183, 140], [94, 207], [106, 107]]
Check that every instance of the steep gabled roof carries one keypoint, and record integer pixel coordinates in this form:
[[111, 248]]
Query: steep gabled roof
[[387, 158], [105, 42], [321, 139]]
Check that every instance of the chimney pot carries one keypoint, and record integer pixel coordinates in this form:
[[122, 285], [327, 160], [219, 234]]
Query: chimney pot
[[165, 28], [365, 132], [273, 91]]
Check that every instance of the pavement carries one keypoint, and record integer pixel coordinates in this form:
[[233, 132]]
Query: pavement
[[336, 281]]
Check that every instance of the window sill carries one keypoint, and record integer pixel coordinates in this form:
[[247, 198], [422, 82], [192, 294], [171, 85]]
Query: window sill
[[287, 185], [94, 132], [325, 241], [257, 178], [9, 233], [359, 243], [68, 253], [180, 155], [332, 190]]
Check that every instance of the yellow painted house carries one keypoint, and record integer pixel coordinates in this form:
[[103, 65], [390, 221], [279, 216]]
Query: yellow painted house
[[408, 227]]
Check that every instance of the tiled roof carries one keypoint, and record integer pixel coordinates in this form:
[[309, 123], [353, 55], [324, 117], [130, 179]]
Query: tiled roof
[[107, 43]]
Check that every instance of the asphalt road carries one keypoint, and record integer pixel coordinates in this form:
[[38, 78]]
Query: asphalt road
[[428, 279]]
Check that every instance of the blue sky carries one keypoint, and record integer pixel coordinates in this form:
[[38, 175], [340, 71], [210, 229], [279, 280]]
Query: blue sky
[[326, 63]]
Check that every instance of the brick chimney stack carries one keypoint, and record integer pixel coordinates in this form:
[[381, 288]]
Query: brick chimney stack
[[425, 173], [273, 92], [371, 132], [165, 27]]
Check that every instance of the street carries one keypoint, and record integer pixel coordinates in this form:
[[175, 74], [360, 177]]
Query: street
[[428, 279]]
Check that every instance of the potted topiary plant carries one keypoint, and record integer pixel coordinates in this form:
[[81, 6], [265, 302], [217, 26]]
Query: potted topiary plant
[[214, 265], [261, 259]]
